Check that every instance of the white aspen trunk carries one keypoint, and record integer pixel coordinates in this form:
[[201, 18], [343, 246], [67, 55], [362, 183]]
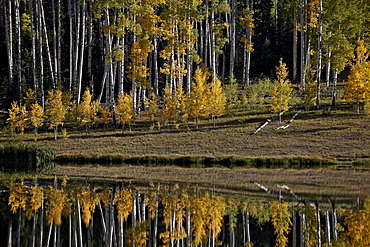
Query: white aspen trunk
[[232, 38], [318, 225], [303, 48], [121, 67], [42, 222], [33, 243], [47, 45], [89, 46], [155, 65], [19, 223], [334, 94], [59, 45], [49, 234], [9, 40], [82, 48], [303, 226], [41, 61], [155, 231], [206, 36], [248, 227], [295, 44], [335, 221], [328, 237], [76, 52], [79, 222], [213, 44], [70, 46], [19, 48], [294, 229], [55, 41], [328, 68], [70, 230], [10, 231], [33, 50], [319, 55], [111, 225]]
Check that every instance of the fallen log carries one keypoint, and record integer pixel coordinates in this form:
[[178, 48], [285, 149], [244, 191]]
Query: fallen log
[[290, 121], [267, 122]]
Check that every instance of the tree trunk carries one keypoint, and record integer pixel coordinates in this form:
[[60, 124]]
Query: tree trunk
[[318, 224], [70, 46], [19, 48], [82, 48], [41, 58], [9, 40], [232, 38], [328, 237], [295, 45], [42, 16], [319, 55], [334, 93], [303, 47], [33, 51]]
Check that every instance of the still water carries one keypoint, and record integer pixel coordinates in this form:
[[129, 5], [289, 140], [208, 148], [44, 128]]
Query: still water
[[58, 214]]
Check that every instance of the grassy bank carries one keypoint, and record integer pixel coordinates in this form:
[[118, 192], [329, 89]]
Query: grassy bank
[[336, 134]]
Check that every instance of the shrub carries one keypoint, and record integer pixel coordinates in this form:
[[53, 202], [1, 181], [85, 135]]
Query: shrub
[[25, 157]]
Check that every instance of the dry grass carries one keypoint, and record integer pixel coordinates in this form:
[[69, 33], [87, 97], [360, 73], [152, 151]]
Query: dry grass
[[342, 136], [338, 134], [335, 184]]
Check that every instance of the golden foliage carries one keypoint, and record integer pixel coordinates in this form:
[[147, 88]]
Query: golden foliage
[[358, 86], [123, 200], [55, 108], [281, 220], [357, 223], [87, 110], [56, 200], [18, 197], [18, 117], [137, 236], [282, 89], [124, 109], [88, 200]]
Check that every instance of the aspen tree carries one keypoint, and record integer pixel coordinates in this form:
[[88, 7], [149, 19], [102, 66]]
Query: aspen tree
[[124, 111], [198, 100], [105, 116], [358, 86], [56, 200], [123, 200], [88, 200], [18, 117], [357, 223], [280, 219], [87, 110], [152, 109], [138, 236], [55, 110], [36, 115], [217, 99], [247, 22], [18, 197], [281, 91]]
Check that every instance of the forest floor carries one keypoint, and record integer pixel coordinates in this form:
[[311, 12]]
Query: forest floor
[[338, 134]]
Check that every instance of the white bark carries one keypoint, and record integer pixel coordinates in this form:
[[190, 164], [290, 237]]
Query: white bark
[[82, 48], [9, 39]]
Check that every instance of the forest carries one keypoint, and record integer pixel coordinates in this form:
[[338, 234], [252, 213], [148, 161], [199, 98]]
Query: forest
[[143, 48]]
